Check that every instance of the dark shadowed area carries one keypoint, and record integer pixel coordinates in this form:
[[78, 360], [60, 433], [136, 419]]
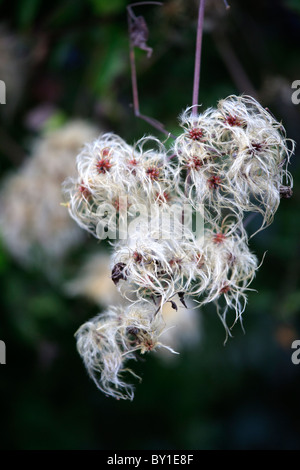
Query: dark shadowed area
[[69, 60]]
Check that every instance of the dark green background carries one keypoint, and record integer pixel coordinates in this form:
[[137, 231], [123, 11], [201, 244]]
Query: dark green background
[[241, 396]]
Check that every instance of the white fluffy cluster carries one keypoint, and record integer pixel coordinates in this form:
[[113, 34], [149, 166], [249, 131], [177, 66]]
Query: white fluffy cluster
[[33, 224], [227, 162], [236, 156], [109, 340], [109, 172], [93, 281]]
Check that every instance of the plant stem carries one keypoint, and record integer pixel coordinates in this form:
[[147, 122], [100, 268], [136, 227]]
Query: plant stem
[[136, 107], [139, 4], [135, 94], [198, 56]]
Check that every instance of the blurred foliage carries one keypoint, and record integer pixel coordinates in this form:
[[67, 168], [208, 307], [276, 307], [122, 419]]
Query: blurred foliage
[[242, 396]]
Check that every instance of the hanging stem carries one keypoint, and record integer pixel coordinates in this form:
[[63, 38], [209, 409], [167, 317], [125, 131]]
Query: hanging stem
[[139, 4], [198, 56], [135, 93], [142, 44], [136, 106]]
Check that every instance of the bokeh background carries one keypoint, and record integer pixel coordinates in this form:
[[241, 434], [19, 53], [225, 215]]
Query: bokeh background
[[67, 61]]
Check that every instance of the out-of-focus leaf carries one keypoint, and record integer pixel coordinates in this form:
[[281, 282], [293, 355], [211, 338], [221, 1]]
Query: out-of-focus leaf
[[27, 12], [291, 305], [294, 5], [107, 7], [3, 260], [55, 121], [45, 306], [65, 12], [114, 60]]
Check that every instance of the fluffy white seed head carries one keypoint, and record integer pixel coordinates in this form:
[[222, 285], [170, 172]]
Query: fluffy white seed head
[[110, 340], [33, 224], [235, 158], [227, 161]]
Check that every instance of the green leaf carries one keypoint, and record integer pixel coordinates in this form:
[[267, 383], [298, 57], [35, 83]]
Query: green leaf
[[294, 5], [57, 120], [291, 304], [107, 7], [27, 12]]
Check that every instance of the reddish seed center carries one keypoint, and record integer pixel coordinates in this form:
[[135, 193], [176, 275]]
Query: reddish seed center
[[149, 345], [103, 165], [133, 163], [231, 258], [199, 260], [195, 162], [257, 146], [161, 198], [196, 133], [233, 121], [84, 191], [138, 258], [175, 262], [214, 182], [119, 204], [153, 172], [105, 152], [225, 289], [116, 204], [219, 238]]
